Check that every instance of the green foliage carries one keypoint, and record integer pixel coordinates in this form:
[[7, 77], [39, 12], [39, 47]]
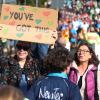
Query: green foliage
[[42, 2], [33, 2], [30, 2]]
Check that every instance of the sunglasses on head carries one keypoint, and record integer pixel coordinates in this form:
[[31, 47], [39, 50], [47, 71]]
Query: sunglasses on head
[[23, 47]]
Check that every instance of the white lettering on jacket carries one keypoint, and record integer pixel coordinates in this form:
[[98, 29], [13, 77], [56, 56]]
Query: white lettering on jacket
[[54, 95]]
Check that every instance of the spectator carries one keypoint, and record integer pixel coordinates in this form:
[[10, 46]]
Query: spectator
[[81, 34], [55, 86], [20, 71], [66, 34], [83, 71], [84, 25], [39, 50], [73, 38], [61, 42], [75, 23], [93, 38], [10, 93]]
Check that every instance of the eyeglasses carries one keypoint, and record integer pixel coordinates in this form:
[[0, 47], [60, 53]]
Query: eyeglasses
[[22, 47], [83, 51]]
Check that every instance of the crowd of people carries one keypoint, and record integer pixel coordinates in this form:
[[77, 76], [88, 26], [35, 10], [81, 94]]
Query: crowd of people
[[66, 70], [75, 25]]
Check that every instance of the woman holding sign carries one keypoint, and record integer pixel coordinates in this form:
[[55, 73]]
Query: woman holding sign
[[20, 71]]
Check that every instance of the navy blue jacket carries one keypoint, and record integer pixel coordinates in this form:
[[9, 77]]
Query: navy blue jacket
[[54, 88]]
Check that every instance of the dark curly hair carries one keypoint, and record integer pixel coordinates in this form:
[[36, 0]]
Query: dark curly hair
[[57, 60], [94, 60]]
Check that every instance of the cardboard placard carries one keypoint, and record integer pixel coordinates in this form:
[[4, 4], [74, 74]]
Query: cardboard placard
[[28, 23]]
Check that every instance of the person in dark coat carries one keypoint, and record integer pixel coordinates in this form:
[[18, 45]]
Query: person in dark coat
[[55, 86], [21, 71]]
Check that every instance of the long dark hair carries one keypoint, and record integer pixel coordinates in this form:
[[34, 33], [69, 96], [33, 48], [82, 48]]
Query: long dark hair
[[94, 60]]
